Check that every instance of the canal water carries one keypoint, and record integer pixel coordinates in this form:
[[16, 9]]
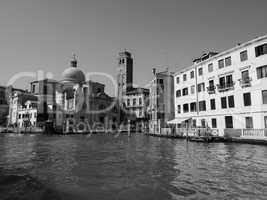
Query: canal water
[[137, 167]]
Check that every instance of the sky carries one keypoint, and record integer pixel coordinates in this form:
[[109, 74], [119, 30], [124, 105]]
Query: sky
[[44, 34]]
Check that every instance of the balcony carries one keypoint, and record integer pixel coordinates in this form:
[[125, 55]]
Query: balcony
[[245, 82], [226, 87], [211, 89]]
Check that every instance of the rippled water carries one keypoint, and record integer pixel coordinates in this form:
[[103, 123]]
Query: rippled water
[[137, 167]]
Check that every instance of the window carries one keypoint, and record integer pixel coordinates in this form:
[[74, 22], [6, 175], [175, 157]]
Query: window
[[194, 124], [211, 86], [134, 101], [179, 108], [226, 81], [185, 108], [221, 64], [261, 50], [265, 121], [201, 87], [33, 88], [231, 101], [212, 104], [247, 99], [245, 76], [160, 81], [128, 102], [177, 80], [140, 101], [178, 93], [193, 107], [228, 122], [19, 116], [192, 89], [262, 72], [202, 106], [184, 77], [243, 55], [222, 81], [185, 91], [200, 71], [249, 122], [192, 74], [223, 102], [210, 67], [203, 123], [228, 61], [213, 123], [264, 96], [229, 80], [45, 89]]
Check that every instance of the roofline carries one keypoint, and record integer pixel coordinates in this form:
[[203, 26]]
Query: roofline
[[222, 54], [48, 80]]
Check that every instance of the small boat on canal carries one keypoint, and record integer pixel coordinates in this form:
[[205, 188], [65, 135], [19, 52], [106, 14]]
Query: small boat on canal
[[205, 139]]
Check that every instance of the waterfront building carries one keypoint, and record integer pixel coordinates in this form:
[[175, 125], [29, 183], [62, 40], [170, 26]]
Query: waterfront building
[[27, 114], [161, 102], [136, 101], [225, 91], [5, 95], [23, 107], [83, 102], [46, 91], [3, 105], [131, 99], [124, 74]]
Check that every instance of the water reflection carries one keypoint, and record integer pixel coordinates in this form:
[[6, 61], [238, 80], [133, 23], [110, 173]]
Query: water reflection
[[138, 167], [17, 151]]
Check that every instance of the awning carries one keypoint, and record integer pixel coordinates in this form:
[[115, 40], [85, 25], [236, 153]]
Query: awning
[[178, 120]]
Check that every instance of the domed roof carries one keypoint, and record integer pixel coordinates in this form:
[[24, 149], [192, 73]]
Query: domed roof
[[73, 75]]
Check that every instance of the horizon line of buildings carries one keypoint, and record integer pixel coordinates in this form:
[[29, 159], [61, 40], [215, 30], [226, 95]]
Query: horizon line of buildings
[[224, 91]]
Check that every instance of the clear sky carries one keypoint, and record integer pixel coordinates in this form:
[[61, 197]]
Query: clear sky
[[43, 34]]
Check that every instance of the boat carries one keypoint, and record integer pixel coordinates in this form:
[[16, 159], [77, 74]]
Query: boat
[[205, 139]]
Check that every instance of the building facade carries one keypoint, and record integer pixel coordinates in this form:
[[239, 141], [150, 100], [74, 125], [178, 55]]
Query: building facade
[[3, 106], [136, 102], [161, 102], [225, 91], [45, 90], [27, 115], [124, 74], [21, 106], [82, 105]]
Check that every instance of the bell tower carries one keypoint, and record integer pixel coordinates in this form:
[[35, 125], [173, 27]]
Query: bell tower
[[125, 74]]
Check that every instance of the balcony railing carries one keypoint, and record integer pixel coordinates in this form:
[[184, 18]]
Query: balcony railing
[[254, 133], [211, 89], [245, 82], [226, 87]]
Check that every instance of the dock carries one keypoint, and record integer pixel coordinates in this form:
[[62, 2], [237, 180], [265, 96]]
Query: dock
[[215, 139]]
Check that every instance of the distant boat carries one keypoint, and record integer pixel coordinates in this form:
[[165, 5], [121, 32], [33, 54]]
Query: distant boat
[[201, 139]]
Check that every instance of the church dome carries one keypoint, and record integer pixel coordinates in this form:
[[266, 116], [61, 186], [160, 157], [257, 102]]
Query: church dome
[[73, 75]]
